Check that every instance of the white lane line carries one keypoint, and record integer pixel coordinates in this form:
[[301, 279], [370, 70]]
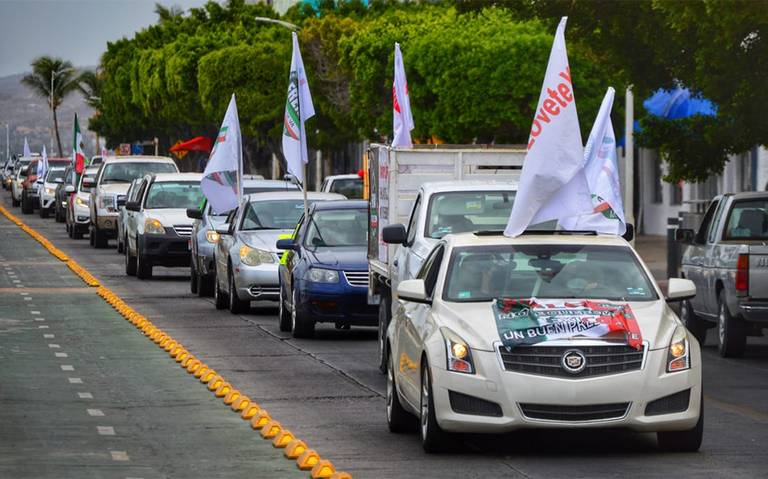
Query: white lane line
[[85, 395], [95, 412], [39, 319], [67, 367], [49, 336], [19, 285], [34, 312], [54, 346], [43, 326], [105, 430], [16, 281], [61, 355], [24, 294], [75, 380], [27, 298], [119, 456]]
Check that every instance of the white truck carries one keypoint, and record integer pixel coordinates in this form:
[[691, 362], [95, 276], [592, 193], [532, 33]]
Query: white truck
[[419, 195]]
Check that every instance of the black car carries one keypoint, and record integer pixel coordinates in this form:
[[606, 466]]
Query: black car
[[62, 196]]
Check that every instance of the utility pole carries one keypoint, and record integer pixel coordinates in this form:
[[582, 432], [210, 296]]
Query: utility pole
[[629, 157]]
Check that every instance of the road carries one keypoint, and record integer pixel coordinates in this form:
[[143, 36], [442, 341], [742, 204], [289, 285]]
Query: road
[[327, 391]]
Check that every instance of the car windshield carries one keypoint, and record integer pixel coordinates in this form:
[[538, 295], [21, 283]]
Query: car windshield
[[352, 188], [174, 194], [253, 189], [482, 273], [464, 211], [272, 214], [748, 220], [125, 172], [54, 175], [332, 228]]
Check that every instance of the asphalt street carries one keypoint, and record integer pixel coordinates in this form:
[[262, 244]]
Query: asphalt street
[[326, 390]]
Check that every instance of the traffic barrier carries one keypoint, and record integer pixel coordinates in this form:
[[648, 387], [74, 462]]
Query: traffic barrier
[[251, 410], [294, 449], [322, 470], [240, 403], [271, 429], [308, 460], [260, 420], [222, 390], [283, 439], [231, 397]]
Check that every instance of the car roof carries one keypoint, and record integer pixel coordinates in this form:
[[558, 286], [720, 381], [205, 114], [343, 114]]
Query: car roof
[[137, 159], [91, 169], [339, 205], [749, 195], [166, 177], [562, 237], [293, 195], [262, 183], [471, 185], [344, 177]]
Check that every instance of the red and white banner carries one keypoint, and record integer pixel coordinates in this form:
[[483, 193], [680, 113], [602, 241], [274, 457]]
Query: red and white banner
[[401, 105]]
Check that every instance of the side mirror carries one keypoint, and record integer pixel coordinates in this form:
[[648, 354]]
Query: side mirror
[[629, 235], [680, 289], [120, 201], [133, 206], [69, 189], [286, 244], [40, 181], [24, 171], [194, 214], [59, 180], [223, 229], [684, 235], [394, 234], [413, 290], [89, 183]]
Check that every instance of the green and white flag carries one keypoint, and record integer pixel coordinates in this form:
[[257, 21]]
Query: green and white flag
[[221, 179], [298, 109]]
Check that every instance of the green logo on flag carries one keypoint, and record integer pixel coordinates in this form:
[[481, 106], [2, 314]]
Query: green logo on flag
[[291, 122]]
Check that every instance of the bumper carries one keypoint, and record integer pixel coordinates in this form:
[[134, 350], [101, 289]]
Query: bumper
[[46, 202], [257, 283], [107, 223], [338, 303], [511, 391], [165, 250], [754, 311], [81, 215]]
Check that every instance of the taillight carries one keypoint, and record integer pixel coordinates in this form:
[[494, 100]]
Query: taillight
[[742, 274]]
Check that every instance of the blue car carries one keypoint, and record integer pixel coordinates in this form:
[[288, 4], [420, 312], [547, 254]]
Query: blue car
[[324, 278]]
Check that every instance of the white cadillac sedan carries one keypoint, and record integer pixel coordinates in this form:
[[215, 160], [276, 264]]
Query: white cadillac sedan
[[551, 330]]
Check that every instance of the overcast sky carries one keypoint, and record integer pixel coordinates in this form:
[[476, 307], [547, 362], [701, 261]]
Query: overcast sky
[[75, 30]]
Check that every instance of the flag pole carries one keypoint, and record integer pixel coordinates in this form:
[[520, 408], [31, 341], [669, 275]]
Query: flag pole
[[304, 190]]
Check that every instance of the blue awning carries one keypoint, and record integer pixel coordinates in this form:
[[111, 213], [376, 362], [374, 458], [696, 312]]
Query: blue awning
[[678, 103]]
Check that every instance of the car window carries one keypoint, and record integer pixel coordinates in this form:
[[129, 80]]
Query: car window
[[68, 177], [430, 277], [272, 214], [706, 222], [173, 194], [54, 175], [716, 220], [552, 271], [352, 188], [748, 220], [411, 236], [335, 228], [463, 211], [127, 171]]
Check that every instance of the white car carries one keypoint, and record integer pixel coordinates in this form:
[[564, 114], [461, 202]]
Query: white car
[[54, 176], [19, 175], [79, 212], [157, 233], [350, 186], [542, 331]]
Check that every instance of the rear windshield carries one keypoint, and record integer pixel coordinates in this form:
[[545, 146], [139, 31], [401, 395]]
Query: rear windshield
[[168, 194], [352, 188], [272, 214], [331, 228], [125, 172], [748, 220]]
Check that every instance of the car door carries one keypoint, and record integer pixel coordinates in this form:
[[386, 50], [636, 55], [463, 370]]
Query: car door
[[401, 262], [696, 258], [709, 271], [292, 257], [413, 328], [131, 225], [223, 248]]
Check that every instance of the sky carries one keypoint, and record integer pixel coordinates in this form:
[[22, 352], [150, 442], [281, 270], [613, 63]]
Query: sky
[[75, 30]]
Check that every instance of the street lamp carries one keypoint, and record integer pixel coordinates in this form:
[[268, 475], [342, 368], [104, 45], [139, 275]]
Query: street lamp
[[54, 74], [7, 141], [282, 23]]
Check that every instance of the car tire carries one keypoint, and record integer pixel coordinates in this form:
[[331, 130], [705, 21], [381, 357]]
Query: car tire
[[14, 201], [693, 322], [283, 315], [384, 314], [120, 245], [76, 233], [236, 305], [683, 441], [204, 286], [69, 230], [192, 277], [44, 212], [26, 205], [130, 262], [302, 326], [99, 238], [143, 265], [219, 300], [433, 438], [398, 419], [731, 331]]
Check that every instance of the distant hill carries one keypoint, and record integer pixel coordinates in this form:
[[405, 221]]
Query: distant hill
[[30, 116]]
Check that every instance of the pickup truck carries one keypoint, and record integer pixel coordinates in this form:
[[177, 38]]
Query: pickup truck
[[727, 259], [434, 191]]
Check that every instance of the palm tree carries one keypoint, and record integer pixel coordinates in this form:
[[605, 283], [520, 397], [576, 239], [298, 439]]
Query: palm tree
[[90, 83], [52, 79], [167, 14]]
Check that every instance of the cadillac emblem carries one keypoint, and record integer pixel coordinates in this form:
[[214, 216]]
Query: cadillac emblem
[[573, 361]]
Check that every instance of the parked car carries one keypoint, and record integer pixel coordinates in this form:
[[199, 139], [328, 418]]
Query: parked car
[[124, 214], [158, 231], [325, 275], [541, 331], [78, 212], [62, 196], [96, 160], [727, 259], [22, 168], [246, 254], [350, 186], [204, 235], [108, 194], [32, 188], [53, 178], [7, 173]]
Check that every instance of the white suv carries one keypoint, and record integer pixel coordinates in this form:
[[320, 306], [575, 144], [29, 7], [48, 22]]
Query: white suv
[[108, 193], [158, 231]]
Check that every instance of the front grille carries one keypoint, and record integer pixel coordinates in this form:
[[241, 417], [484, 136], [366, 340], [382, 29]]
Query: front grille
[[357, 278], [677, 402], [592, 412], [547, 360], [185, 231], [260, 291], [466, 404]]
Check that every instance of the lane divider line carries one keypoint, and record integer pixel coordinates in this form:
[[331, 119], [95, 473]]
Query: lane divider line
[[306, 459]]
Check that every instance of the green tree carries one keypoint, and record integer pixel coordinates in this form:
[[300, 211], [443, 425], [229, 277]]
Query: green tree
[[50, 72]]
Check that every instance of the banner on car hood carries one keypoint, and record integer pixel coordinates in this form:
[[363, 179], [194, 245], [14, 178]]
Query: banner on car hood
[[531, 321]]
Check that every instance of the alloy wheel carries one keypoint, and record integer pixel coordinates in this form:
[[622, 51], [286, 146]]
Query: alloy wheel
[[424, 419]]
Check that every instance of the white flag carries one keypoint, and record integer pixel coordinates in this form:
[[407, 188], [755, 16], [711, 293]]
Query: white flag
[[221, 182], [42, 165], [27, 151], [401, 104], [552, 184], [298, 109], [602, 177]]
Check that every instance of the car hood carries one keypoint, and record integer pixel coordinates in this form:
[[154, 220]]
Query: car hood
[[263, 239], [170, 216], [115, 188], [476, 324], [342, 257]]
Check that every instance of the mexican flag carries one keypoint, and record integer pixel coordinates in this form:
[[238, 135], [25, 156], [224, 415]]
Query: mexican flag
[[78, 157], [298, 109], [530, 321]]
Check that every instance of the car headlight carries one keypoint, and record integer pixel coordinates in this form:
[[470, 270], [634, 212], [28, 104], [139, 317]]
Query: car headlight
[[679, 356], [50, 191], [80, 201], [108, 202], [255, 256], [212, 237], [458, 353], [321, 275], [153, 227]]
